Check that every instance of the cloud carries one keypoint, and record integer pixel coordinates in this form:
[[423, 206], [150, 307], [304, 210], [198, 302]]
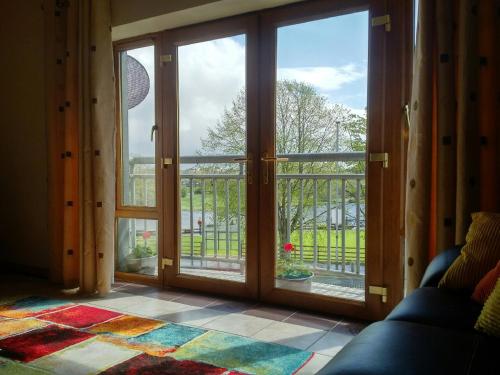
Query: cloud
[[210, 76], [325, 78]]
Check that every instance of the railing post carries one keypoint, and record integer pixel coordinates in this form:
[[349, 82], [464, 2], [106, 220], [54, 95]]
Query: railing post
[[203, 239], [343, 224], [315, 224], [328, 224], [216, 237], [358, 188], [191, 224]]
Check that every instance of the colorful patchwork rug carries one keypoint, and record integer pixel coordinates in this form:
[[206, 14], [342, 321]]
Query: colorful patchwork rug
[[48, 336]]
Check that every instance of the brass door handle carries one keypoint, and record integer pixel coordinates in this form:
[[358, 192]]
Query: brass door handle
[[265, 171], [248, 160]]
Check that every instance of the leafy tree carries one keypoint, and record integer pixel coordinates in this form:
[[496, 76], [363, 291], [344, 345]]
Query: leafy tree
[[306, 122]]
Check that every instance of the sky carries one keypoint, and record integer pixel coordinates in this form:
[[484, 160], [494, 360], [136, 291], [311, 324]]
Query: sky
[[330, 54]]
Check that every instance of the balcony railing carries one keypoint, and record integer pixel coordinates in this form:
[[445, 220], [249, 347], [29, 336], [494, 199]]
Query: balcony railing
[[321, 213]]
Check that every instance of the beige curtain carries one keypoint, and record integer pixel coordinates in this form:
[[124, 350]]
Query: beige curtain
[[453, 158], [84, 67]]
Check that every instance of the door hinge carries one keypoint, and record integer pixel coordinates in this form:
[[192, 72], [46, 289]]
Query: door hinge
[[380, 156], [166, 262], [165, 58], [165, 162], [379, 291], [382, 20]]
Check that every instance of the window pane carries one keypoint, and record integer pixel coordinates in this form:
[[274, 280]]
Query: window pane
[[137, 246], [321, 98], [212, 133], [137, 120]]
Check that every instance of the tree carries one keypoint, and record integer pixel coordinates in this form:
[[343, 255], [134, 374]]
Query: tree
[[306, 122]]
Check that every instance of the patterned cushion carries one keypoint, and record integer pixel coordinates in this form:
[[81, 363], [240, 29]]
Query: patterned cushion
[[486, 285], [479, 255], [489, 319]]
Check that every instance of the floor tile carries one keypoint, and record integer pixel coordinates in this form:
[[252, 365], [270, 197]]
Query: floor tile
[[316, 363], [195, 317], [137, 289], [312, 321], [238, 324], [195, 300], [155, 308], [90, 357], [115, 300], [350, 327], [299, 337], [230, 306], [269, 312], [165, 294], [331, 343]]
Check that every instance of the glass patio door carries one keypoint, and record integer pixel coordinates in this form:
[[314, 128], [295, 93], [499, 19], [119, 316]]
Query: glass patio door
[[319, 100], [209, 83]]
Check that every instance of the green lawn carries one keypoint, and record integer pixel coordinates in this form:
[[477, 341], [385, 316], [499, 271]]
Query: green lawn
[[308, 241], [308, 236]]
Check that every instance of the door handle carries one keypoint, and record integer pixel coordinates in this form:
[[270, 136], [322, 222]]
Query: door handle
[[248, 160], [267, 159], [154, 128]]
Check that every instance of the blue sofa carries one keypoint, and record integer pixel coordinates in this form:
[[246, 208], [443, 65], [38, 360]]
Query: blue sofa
[[430, 332]]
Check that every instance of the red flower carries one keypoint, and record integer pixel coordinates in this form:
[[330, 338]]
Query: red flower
[[146, 234], [288, 247]]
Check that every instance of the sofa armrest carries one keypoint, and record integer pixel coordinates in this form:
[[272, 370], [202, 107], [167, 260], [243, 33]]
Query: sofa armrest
[[438, 266]]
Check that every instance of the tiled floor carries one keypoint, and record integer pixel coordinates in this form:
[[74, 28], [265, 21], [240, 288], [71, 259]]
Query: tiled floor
[[325, 335]]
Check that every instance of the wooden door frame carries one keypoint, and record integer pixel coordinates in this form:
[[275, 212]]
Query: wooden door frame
[[171, 39], [138, 212], [392, 98], [386, 98]]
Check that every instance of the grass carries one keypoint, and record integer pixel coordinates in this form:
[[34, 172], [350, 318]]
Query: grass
[[308, 244]]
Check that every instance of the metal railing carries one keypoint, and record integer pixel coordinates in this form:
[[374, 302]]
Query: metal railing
[[321, 213]]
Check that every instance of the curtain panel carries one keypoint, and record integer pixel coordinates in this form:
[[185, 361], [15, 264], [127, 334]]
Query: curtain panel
[[453, 163], [81, 123]]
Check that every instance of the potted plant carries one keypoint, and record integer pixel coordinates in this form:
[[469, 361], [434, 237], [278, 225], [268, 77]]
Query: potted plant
[[291, 272], [142, 258]]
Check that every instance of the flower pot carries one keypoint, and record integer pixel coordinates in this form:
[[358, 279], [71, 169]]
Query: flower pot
[[302, 284], [145, 265]]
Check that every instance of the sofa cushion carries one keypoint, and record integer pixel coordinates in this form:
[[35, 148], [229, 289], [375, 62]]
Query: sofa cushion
[[439, 265], [395, 348], [486, 285], [489, 320], [479, 255], [437, 307]]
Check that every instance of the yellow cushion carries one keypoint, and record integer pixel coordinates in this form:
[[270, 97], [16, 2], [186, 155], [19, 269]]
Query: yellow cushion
[[489, 319], [479, 255]]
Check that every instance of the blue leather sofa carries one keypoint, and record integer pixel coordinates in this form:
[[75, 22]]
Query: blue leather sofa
[[430, 332]]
